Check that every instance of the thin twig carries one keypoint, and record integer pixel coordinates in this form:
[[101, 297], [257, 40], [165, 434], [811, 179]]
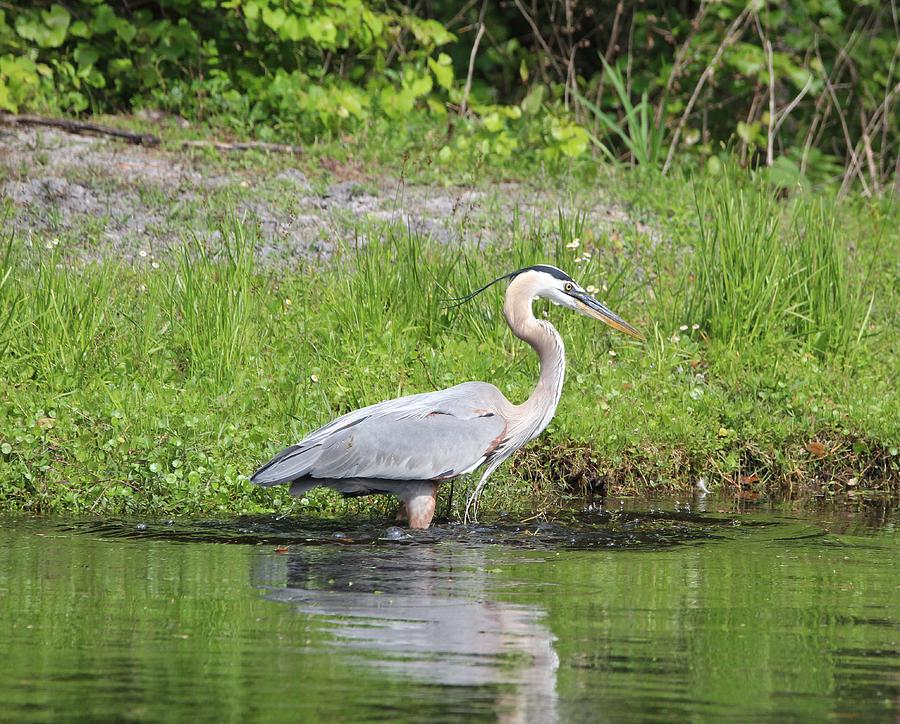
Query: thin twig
[[245, 146], [821, 111], [570, 68], [538, 36], [607, 56], [878, 119], [731, 37], [680, 59], [630, 56], [853, 168], [867, 146], [751, 114], [464, 105], [570, 77], [81, 128], [770, 140], [782, 116]]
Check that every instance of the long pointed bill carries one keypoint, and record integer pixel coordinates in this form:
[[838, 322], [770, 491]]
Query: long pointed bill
[[590, 307]]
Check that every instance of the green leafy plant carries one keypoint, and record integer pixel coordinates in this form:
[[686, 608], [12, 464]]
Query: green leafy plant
[[639, 131]]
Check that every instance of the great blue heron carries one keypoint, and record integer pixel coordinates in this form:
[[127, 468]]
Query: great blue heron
[[410, 445]]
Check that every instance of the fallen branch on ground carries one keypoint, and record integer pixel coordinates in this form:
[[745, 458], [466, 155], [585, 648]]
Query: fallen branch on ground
[[81, 128], [245, 146]]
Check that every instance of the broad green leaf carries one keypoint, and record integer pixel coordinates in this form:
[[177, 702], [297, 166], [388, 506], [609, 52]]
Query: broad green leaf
[[57, 20], [251, 10], [274, 18], [531, 103], [5, 100], [421, 86], [105, 20], [436, 107], [125, 30], [292, 29], [493, 122], [85, 56], [442, 69], [80, 29], [118, 66], [748, 132]]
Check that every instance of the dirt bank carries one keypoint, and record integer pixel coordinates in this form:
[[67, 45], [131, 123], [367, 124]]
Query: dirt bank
[[106, 197]]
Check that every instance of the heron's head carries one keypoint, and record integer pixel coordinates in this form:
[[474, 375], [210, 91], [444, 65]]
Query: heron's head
[[548, 282], [554, 284]]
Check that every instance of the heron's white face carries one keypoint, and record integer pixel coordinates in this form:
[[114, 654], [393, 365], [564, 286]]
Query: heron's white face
[[560, 289]]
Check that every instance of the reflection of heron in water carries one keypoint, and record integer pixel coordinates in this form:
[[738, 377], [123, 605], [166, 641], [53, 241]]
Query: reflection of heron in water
[[423, 614], [408, 446]]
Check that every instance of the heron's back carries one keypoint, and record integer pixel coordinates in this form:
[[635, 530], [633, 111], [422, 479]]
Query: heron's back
[[427, 436]]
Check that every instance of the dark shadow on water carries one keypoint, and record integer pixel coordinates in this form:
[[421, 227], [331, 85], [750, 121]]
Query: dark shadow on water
[[575, 531]]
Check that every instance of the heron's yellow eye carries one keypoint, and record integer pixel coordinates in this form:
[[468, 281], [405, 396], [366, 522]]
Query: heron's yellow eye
[[568, 287]]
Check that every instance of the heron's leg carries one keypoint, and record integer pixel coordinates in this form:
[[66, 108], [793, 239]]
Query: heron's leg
[[420, 501]]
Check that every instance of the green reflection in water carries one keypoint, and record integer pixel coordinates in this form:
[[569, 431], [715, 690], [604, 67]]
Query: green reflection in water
[[790, 619], [785, 622]]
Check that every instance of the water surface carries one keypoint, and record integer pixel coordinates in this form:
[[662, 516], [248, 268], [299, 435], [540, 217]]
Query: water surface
[[652, 613]]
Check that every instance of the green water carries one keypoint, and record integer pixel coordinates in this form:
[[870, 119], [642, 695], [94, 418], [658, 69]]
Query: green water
[[631, 615]]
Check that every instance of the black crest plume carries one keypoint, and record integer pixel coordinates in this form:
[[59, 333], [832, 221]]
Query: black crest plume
[[551, 270]]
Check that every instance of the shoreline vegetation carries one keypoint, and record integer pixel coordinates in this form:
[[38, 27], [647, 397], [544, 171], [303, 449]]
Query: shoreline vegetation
[[154, 383], [328, 173]]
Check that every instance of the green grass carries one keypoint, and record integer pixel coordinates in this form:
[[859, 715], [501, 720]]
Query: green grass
[[134, 389]]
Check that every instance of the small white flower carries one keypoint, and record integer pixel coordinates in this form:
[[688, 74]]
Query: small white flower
[[695, 327], [605, 288], [287, 301], [591, 289], [683, 328], [48, 245], [573, 244], [142, 252], [314, 378], [155, 265], [55, 241], [676, 339], [612, 353]]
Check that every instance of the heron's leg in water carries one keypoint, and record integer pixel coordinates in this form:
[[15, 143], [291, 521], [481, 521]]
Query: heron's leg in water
[[419, 500]]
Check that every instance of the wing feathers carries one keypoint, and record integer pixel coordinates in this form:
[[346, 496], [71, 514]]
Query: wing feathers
[[431, 436]]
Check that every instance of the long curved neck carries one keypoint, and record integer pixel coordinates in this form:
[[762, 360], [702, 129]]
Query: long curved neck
[[537, 411]]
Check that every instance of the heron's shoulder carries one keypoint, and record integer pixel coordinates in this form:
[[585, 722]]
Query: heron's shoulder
[[482, 395], [485, 389], [462, 397]]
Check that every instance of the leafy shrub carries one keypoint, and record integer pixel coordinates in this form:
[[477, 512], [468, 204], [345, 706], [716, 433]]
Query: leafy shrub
[[806, 89]]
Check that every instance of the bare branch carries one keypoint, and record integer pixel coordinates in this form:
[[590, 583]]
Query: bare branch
[[782, 116], [538, 36], [80, 127], [245, 146], [464, 105], [735, 30]]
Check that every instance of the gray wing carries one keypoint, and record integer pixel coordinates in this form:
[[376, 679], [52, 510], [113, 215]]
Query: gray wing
[[430, 436]]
